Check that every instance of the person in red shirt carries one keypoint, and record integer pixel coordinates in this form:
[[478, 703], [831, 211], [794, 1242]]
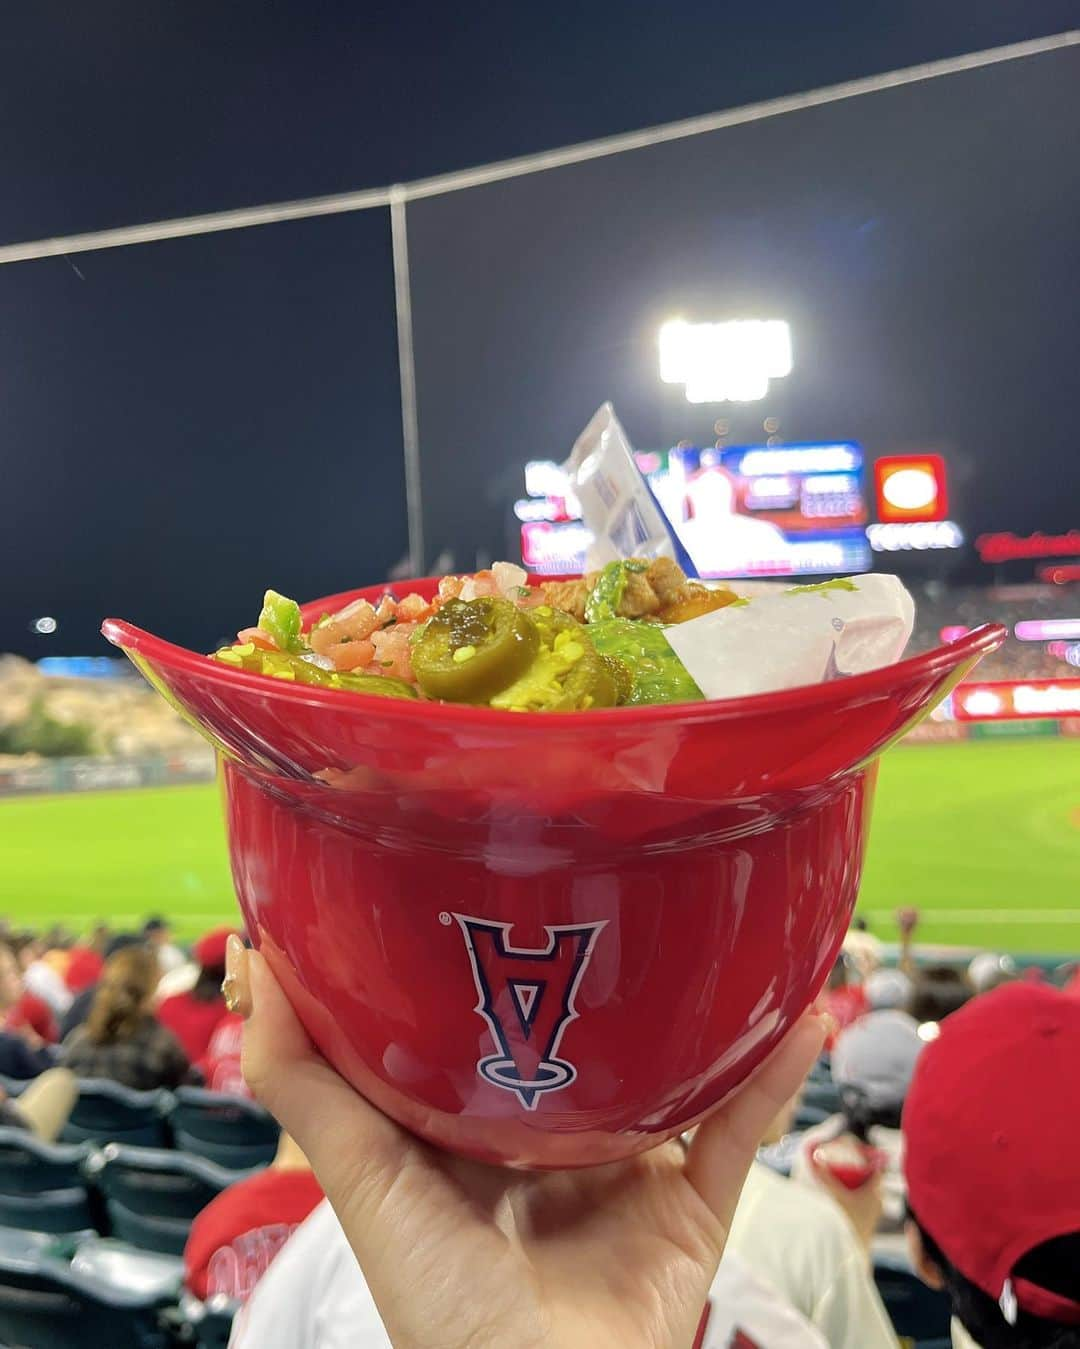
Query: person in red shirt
[[193, 1016], [234, 1239], [844, 1001], [220, 1065], [21, 1010]]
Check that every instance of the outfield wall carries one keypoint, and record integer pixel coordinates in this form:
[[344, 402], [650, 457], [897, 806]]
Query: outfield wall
[[934, 731], [48, 776]]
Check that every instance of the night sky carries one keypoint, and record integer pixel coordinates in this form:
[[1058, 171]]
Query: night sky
[[186, 423]]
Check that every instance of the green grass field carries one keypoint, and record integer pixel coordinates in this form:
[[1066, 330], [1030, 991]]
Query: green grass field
[[984, 837]]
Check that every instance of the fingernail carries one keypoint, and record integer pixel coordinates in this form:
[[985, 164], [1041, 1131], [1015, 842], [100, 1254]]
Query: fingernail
[[236, 986]]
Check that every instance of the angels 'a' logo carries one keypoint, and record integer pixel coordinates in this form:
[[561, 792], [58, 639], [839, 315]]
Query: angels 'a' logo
[[527, 999]]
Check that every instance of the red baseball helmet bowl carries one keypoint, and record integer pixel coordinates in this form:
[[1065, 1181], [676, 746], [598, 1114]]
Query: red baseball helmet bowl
[[541, 940]]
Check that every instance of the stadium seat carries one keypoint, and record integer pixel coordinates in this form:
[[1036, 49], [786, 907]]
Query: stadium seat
[[229, 1130], [41, 1184], [808, 1116], [152, 1195], [918, 1313], [14, 1086], [44, 1304], [208, 1325], [108, 1261], [821, 1095], [821, 1071], [106, 1112], [780, 1156], [18, 1243]]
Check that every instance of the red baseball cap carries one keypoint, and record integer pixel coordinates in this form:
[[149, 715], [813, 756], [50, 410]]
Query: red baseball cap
[[83, 969], [209, 950], [990, 1123]]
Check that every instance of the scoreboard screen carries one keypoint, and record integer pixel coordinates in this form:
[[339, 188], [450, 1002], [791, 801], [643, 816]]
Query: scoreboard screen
[[750, 510]]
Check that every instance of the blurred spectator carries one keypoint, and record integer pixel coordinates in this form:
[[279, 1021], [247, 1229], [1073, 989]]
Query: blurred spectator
[[83, 968], [993, 1171], [940, 990], [157, 933], [742, 1312], [813, 1250], [844, 997], [40, 977], [23, 1052], [21, 1010], [79, 1010], [907, 920], [889, 990], [121, 1038], [57, 938], [20, 1060], [181, 980], [100, 936], [988, 971], [220, 1065], [969, 606], [314, 1296], [44, 1107], [234, 1238], [872, 1064], [193, 1016], [863, 948]]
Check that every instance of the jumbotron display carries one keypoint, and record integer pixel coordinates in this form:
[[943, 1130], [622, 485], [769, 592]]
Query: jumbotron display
[[751, 510]]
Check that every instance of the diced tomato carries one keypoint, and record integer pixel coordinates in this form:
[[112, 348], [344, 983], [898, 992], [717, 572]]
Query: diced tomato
[[392, 650], [257, 637], [355, 622], [413, 608], [352, 655]]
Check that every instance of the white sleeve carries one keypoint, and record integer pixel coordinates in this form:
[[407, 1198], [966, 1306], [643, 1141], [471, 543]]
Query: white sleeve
[[348, 1318], [850, 1312], [743, 1309], [313, 1296], [43, 981]]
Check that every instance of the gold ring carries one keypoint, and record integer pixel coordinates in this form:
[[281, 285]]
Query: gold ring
[[228, 990]]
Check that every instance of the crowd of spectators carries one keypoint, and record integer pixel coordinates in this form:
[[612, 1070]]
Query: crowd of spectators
[[939, 608], [131, 1007], [137, 1009], [102, 1008], [826, 1190], [938, 1137]]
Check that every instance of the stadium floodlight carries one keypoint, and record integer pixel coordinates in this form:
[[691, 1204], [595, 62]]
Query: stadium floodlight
[[45, 625], [725, 362]]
